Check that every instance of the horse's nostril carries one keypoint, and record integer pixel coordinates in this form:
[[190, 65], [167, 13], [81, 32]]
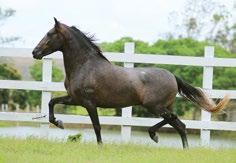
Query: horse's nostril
[[34, 52], [37, 54]]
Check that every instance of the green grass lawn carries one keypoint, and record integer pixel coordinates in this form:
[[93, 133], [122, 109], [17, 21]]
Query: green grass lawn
[[39, 150], [79, 110]]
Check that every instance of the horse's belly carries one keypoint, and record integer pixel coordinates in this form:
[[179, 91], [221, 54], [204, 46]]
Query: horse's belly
[[116, 103], [117, 99]]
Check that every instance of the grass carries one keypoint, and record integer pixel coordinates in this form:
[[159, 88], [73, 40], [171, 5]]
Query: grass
[[79, 110], [12, 124], [5, 124], [40, 150]]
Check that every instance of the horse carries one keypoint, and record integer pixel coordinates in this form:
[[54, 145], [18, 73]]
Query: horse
[[92, 81]]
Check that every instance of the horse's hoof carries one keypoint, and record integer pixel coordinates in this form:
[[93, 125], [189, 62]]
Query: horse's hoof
[[100, 143], [60, 124], [155, 138]]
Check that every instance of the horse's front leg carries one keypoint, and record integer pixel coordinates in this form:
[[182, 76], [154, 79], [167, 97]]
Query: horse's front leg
[[58, 100], [92, 111]]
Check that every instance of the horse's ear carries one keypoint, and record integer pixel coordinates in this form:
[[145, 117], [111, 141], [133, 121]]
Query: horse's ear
[[57, 23]]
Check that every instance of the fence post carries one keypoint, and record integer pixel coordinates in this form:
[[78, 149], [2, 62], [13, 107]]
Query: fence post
[[127, 112], [207, 84], [46, 96]]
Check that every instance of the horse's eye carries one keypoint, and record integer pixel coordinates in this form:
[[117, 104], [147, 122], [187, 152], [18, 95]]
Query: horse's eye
[[50, 34]]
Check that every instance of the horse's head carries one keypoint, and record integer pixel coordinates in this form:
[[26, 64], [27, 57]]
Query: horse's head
[[51, 42]]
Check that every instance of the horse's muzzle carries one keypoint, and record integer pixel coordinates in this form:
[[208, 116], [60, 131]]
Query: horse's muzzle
[[37, 54]]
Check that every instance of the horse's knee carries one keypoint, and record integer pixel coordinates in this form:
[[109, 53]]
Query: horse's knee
[[169, 116], [174, 121], [51, 103]]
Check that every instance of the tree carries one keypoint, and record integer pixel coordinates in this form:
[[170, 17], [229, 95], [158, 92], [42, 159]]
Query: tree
[[11, 97], [4, 15], [36, 73], [227, 37], [205, 20]]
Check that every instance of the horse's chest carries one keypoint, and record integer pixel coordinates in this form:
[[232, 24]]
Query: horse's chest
[[80, 89], [85, 91]]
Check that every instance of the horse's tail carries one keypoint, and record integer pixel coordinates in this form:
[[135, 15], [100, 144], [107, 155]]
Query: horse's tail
[[197, 96]]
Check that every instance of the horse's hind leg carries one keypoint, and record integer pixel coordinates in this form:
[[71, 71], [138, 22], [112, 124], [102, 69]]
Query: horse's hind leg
[[177, 124], [152, 130]]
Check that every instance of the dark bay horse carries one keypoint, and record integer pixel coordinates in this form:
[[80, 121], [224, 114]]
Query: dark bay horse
[[92, 81]]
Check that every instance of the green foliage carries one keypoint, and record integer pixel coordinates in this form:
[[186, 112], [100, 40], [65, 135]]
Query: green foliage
[[36, 73], [11, 97], [74, 138], [20, 97], [8, 72], [117, 46], [223, 77], [82, 111], [33, 98]]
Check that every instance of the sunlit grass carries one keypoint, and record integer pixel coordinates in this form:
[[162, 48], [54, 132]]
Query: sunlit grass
[[14, 123], [79, 110], [39, 150]]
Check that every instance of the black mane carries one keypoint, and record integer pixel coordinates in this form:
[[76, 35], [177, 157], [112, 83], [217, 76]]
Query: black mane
[[90, 39]]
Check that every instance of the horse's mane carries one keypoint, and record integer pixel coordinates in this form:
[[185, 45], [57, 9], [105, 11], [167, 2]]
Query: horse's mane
[[90, 39]]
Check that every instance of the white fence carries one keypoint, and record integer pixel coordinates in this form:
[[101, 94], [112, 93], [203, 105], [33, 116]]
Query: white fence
[[126, 120]]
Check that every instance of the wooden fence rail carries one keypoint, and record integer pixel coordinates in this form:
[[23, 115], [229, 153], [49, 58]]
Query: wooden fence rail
[[208, 62]]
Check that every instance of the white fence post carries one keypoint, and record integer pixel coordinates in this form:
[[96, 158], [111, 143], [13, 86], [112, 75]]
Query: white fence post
[[47, 77], [127, 112], [4, 107], [205, 125], [207, 84]]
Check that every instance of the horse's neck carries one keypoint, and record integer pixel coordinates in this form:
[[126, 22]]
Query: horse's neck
[[74, 59]]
